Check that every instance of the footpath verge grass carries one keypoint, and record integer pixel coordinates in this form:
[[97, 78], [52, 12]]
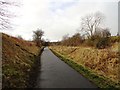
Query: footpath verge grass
[[100, 81]]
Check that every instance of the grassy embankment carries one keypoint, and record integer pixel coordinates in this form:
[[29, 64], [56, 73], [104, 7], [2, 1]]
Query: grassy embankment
[[18, 59], [99, 66]]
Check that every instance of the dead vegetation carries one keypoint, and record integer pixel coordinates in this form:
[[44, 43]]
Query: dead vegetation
[[104, 62], [17, 60]]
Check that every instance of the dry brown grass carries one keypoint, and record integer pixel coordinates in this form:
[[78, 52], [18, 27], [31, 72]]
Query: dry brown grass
[[104, 62], [17, 59]]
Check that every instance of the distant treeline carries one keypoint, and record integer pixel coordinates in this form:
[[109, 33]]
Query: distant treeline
[[97, 40], [101, 38]]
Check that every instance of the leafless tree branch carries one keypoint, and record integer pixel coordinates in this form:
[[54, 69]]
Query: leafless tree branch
[[5, 14], [91, 22]]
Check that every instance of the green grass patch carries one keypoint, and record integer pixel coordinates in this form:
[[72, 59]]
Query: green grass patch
[[100, 81]]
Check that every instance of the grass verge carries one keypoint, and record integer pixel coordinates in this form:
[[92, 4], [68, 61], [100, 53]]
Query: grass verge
[[100, 81], [34, 70]]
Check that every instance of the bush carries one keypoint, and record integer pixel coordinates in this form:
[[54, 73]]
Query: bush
[[103, 43], [98, 42], [75, 40], [89, 42]]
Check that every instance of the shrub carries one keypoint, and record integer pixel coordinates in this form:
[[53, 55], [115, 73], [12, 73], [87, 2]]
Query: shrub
[[89, 42], [103, 43], [74, 40]]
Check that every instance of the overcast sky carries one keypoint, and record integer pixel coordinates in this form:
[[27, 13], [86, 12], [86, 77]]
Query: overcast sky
[[59, 17]]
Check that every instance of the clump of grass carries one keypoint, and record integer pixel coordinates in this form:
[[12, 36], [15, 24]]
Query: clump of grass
[[100, 81]]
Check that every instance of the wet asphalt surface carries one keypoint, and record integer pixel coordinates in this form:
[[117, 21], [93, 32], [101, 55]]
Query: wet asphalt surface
[[54, 73]]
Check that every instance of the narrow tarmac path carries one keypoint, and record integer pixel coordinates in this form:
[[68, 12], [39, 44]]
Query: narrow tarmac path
[[54, 73]]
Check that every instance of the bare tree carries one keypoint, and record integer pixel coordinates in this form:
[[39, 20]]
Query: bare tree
[[106, 32], [74, 40], [37, 37], [20, 37], [5, 13], [102, 32], [65, 37], [91, 22]]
